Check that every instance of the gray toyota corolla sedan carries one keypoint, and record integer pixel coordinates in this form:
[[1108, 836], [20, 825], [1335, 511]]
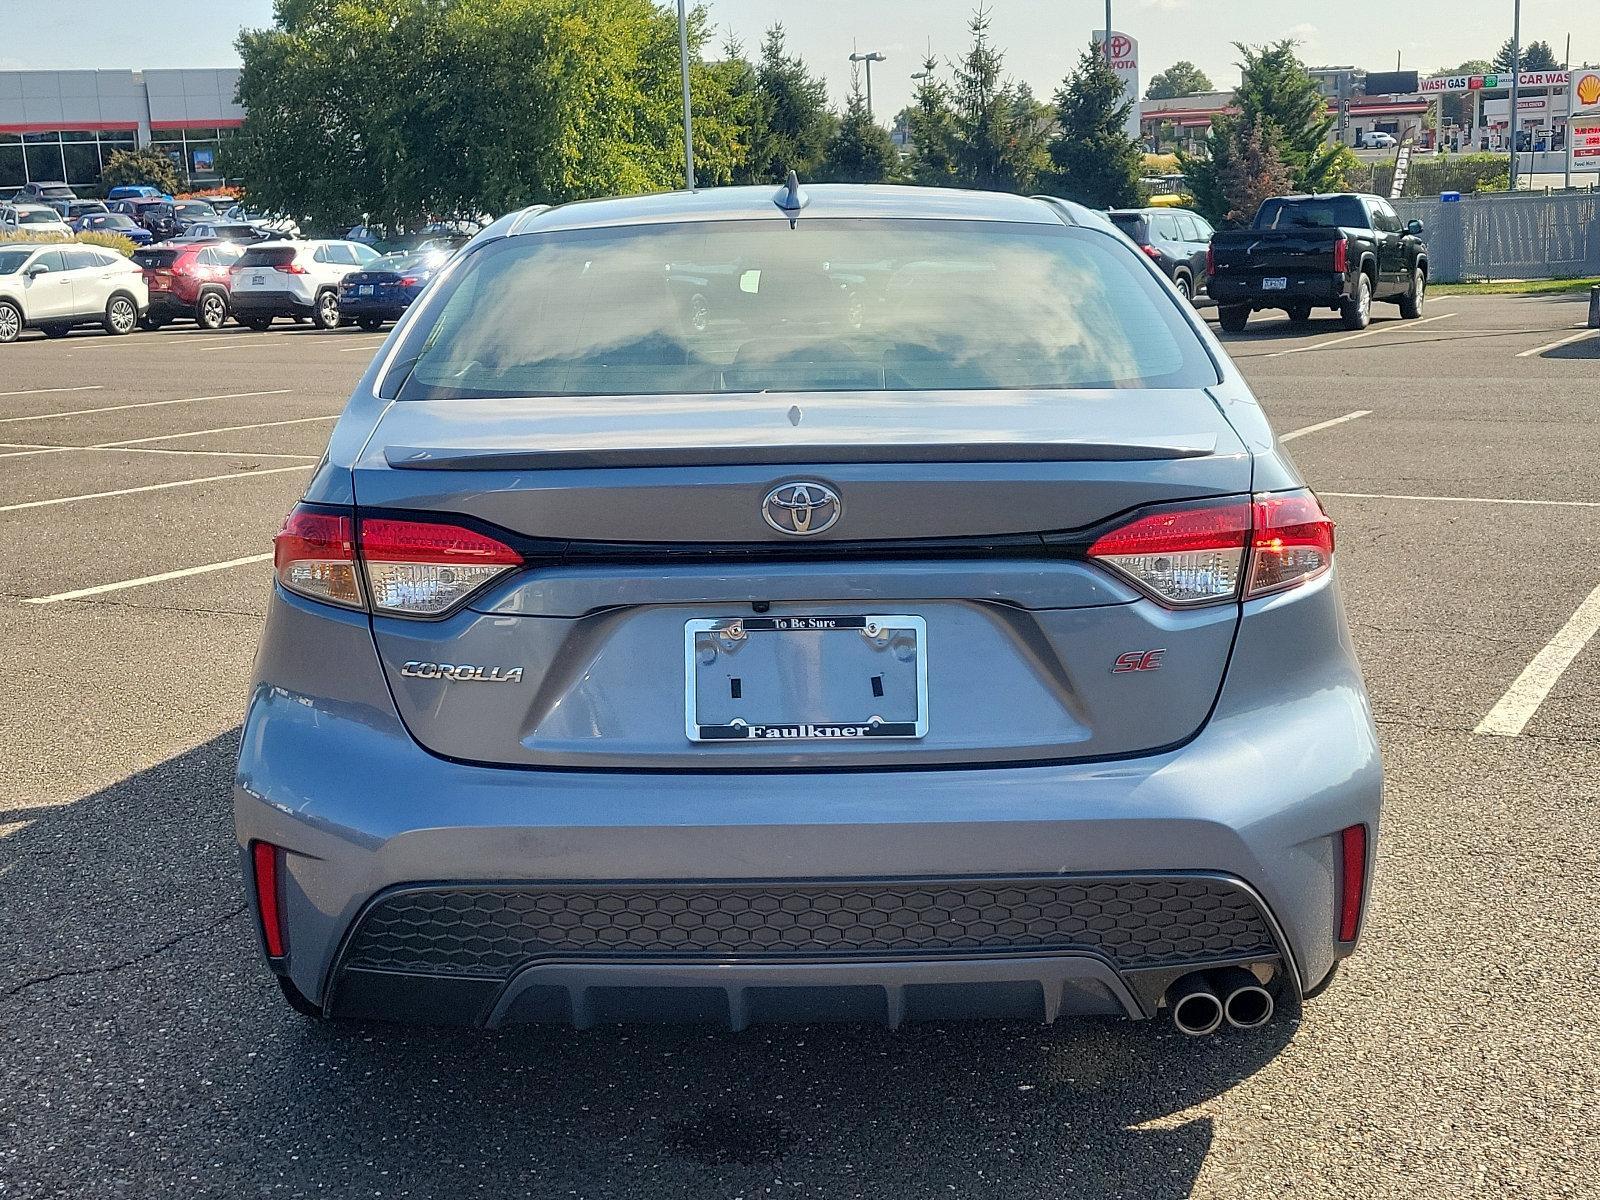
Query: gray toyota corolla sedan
[[843, 602]]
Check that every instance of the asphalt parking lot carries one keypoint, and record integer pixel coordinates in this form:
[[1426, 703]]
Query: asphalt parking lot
[[148, 1053]]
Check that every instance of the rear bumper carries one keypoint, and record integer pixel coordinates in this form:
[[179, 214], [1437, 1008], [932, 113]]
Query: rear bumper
[[262, 303], [369, 306], [167, 306], [413, 885], [1320, 289]]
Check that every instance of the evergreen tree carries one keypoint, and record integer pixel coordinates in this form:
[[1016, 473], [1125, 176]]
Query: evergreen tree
[[1252, 169], [1535, 56], [860, 150], [1093, 160], [1182, 78], [931, 130], [796, 109], [999, 136], [1276, 87]]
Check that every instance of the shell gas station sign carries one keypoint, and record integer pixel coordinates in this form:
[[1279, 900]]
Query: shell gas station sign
[[1583, 126]]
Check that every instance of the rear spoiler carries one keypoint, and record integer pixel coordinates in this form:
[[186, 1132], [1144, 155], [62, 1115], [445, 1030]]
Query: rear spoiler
[[419, 458]]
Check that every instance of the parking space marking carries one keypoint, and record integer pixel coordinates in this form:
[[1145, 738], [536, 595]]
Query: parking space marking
[[1463, 499], [165, 437], [1320, 425], [230, 343], [26, 449], [83, 412], [151, 487], [88, 387], [1515, 709], [103, 588], [1386, 327], [363, 346], [1556, 345]]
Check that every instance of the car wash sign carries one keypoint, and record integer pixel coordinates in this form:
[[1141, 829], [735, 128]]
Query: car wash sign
[[1478, 83], [1124, 60]]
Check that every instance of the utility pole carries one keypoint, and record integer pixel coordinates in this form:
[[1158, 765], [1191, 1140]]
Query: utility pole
[[1566, 136], [869, 59], [688, 118], [1109, 59], [1516, 74]]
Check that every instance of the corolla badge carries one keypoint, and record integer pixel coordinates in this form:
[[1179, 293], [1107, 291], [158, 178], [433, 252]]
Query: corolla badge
[[801, 509], [461, 672]]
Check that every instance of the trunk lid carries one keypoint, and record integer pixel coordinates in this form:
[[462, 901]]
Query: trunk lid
[[642, 516]]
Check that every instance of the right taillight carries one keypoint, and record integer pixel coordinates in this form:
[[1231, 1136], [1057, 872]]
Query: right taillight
[[1291, 542], [1210, 553], [1341, 256], [1211, 259], [406, 567]]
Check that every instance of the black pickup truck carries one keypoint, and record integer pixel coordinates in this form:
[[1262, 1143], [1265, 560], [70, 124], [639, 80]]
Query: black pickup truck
[[1340, 251]]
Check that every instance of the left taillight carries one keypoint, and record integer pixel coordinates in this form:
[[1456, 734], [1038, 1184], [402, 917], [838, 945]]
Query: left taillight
[[405, 567], [424, 568], [315, 556], [1210, 553]]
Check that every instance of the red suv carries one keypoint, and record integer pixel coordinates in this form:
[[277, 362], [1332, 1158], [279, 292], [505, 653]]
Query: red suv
[[188, 282]]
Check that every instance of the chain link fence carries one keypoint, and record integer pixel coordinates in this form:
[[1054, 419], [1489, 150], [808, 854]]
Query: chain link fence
[[1509, 235]]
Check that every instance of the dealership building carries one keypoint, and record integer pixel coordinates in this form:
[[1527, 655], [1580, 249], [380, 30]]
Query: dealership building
[[66, 124]]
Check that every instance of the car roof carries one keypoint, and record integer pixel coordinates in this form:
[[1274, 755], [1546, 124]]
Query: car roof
[[821, 201]]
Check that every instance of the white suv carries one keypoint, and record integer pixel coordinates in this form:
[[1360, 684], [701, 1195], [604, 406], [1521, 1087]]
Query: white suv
[[32, 220], [56, 287], [294, 279]]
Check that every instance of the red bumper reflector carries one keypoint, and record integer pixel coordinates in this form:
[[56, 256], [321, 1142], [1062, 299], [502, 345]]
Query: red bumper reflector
[[1352, 880], [265, 859]]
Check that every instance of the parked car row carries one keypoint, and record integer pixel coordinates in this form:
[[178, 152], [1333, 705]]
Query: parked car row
[[332, 282]]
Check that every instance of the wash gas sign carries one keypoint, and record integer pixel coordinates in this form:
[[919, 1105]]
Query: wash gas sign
[[1474, 83], [1125, 63]]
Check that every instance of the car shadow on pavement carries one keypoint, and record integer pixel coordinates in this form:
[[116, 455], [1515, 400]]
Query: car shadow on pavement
[[151, 1040]]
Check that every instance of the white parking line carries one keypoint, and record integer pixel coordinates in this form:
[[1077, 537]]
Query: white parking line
[[150, 487], [1386, 327], [1355, 416], [1463, 499], [230, 343], [84, 412], [1515, 709], [27, 449], [1556, 345], [144, 579], [363, 346], [88, 387], [165, 437]]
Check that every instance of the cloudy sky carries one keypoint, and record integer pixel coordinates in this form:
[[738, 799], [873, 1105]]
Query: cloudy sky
[[1040, 37]]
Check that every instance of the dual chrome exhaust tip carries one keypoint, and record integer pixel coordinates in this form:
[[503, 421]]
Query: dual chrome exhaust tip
[[1202, 1001]]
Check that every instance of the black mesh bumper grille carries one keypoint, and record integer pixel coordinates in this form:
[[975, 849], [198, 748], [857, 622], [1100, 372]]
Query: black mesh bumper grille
[[494, 930]]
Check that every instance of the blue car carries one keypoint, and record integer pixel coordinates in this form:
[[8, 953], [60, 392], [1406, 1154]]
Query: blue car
[[118, 223], [386, 289], [137, 191]]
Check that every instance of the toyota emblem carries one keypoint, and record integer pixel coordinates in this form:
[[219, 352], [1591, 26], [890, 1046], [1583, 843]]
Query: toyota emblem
[[801, 509]]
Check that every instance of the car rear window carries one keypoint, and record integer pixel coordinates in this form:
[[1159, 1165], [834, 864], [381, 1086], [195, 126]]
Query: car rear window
[[831, 305], [1131, 224], [156, 260], [1320, 212], [266, 256]]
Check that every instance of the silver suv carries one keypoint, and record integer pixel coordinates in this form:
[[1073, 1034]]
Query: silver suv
[[864, 603]]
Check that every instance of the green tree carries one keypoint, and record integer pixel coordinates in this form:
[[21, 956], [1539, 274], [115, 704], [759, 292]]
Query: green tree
[[1275, 86], [931, 130], [860, 150], [795, 103], [1000, 136], [144, 165], [1535, 56], [1093, 160], [357, 106], [1182, 78], [1251, 168]]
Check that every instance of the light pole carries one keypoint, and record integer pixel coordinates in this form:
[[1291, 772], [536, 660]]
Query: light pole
[[869, 59], [1516, 72], [1109, 59], [688, 119]]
